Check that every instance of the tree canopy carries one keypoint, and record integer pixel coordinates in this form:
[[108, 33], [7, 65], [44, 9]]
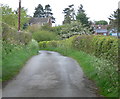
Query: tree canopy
[[39, 11], [11, 17], [81, 16], [115, 19], [101, 22], [42, 12], [69, 14]]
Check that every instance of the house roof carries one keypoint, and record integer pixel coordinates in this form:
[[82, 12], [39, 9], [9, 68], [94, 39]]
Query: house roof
[[38, 20], [100, 28]]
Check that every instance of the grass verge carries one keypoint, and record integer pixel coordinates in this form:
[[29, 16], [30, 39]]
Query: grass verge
[[14, 62], [14, 58], [102, 72]]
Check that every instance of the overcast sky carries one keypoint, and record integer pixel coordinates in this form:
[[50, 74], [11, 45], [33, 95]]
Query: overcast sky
[[95, 9]]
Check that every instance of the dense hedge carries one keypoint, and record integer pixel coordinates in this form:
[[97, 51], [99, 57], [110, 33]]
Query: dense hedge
[[42, 35], [97, 55], [11, 35], [100, 46]]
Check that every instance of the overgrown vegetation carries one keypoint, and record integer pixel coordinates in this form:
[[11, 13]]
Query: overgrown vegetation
[[17, 48], [11, 17], [43, 33], [44, 36], [14, 57], [97, 64]]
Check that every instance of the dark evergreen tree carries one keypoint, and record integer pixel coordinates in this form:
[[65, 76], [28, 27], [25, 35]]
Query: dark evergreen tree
[[80, 9], [115, 19], [48, 12], [101, 22], [82, 17], [69, 14], [39, 11]]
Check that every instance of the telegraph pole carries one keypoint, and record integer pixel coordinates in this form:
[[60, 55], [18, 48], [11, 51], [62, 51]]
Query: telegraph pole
[[19, 15]]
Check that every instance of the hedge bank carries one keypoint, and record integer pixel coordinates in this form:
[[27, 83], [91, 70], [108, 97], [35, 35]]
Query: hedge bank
[[17, 48], [97, 55], [99, 46]]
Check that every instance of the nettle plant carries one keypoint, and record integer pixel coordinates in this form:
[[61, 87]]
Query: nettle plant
[[75, 28]]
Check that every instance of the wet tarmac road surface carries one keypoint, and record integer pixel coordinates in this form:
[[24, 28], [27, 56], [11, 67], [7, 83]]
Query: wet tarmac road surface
[[50, 74]]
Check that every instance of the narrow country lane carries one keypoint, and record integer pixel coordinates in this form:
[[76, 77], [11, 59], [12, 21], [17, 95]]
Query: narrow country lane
[[50, 74]]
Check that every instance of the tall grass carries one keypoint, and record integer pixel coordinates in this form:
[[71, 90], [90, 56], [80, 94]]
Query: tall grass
[[14, 58]]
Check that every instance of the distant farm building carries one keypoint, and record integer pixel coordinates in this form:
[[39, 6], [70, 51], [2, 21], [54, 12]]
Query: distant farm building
[[100, 29], [40, 21]]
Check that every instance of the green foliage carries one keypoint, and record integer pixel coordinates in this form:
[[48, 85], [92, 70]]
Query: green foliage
[[17, 47], [98, 66], [46, 27], [8, 16], [101, 22], [11, 17], [14, 57], [69, 14], [82, 17], [33, 45], [0, 60], [33, 28], [100, 46], [39, 11], [115, 19], [44, 12], [75, 28], [45, 44], [10, 34], [43, 35], [24, 17]]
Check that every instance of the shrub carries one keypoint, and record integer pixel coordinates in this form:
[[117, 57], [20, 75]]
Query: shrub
[[100, 46], [33, 28], [10, 34], [44, 36], [33, 45], [75, 28], [17, 47], [19, 53], [106, 47]]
